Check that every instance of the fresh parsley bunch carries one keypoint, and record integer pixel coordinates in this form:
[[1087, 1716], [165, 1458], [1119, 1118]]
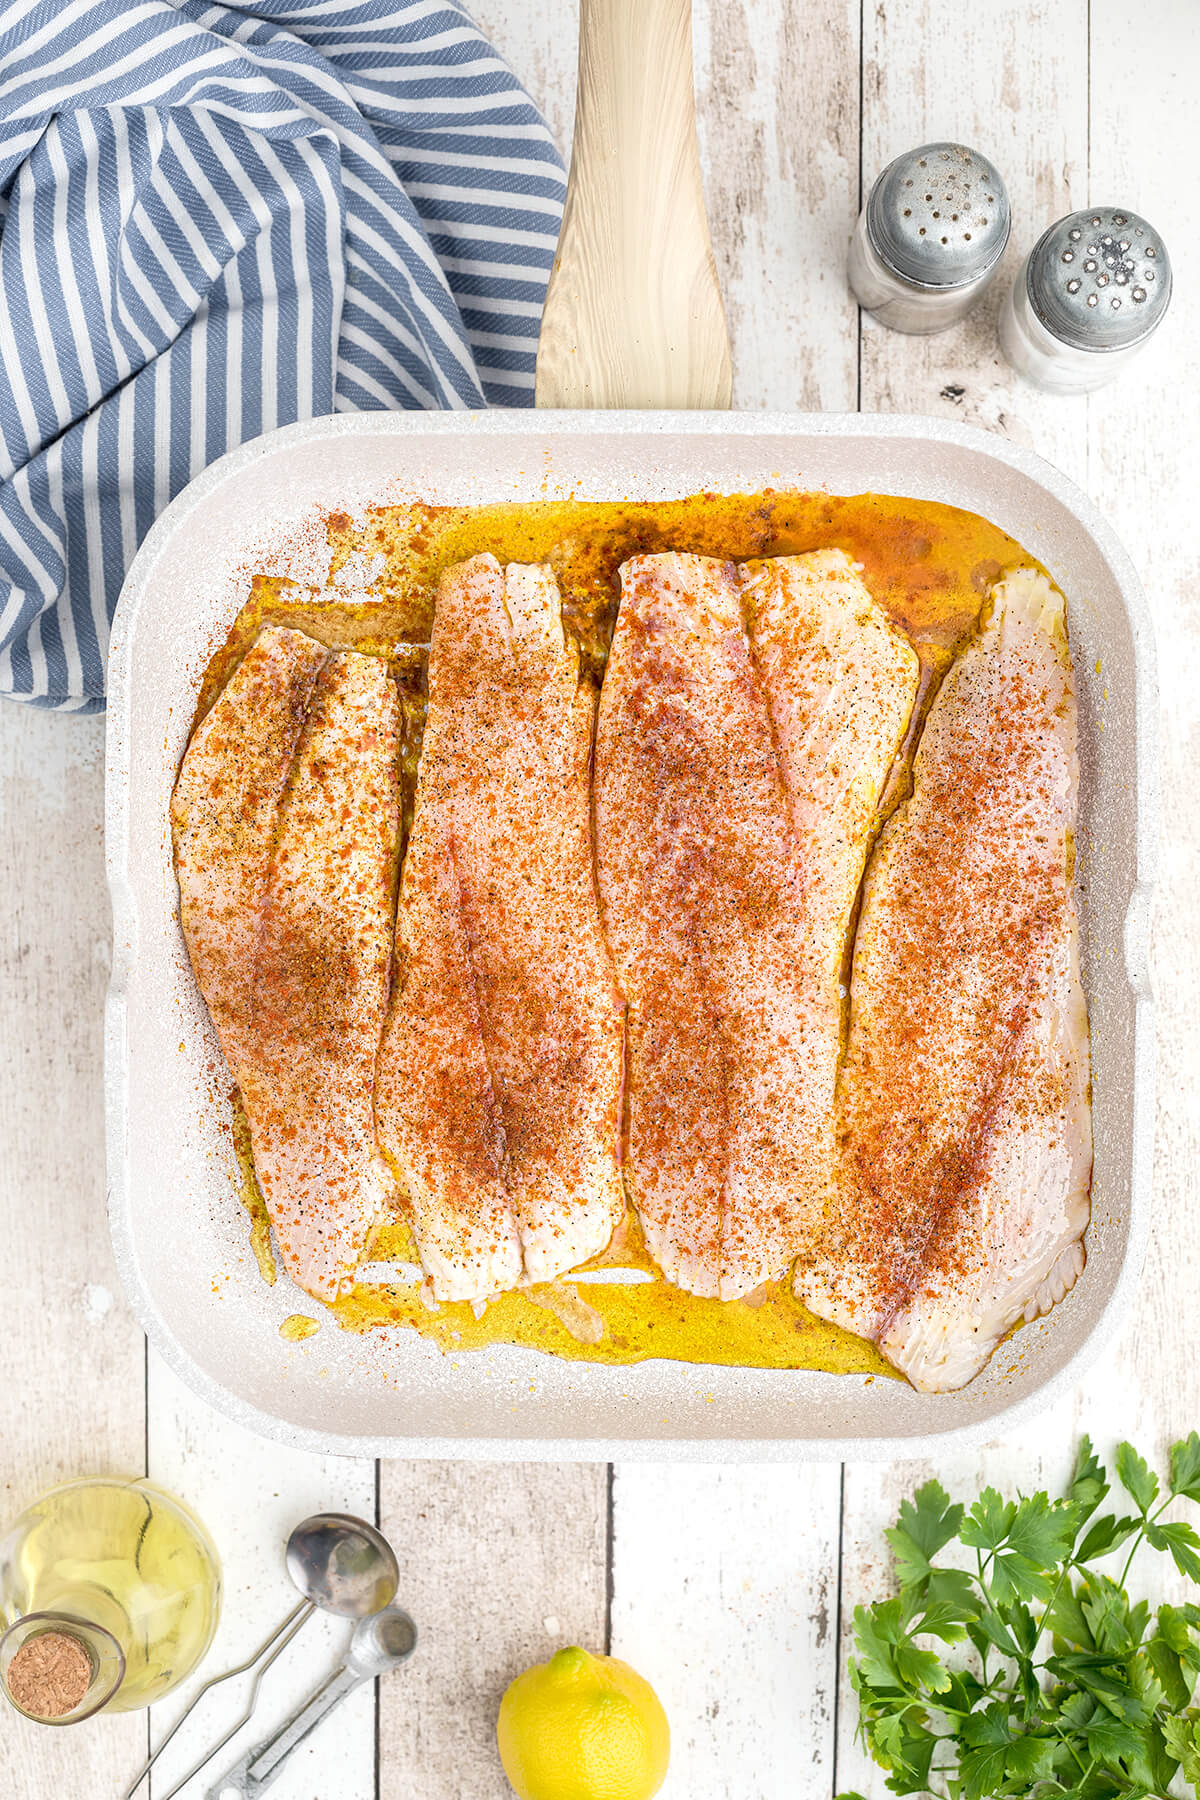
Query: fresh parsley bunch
[[1073, 1689]]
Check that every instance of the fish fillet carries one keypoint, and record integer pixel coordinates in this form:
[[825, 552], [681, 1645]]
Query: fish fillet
[[285, 816], [963, 1103], [500, 1077], [734, 794], [840, 683]]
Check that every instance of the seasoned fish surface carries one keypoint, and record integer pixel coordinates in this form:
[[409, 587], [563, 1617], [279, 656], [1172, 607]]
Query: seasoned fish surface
[[963, 1104], [439, 1118], [286, 820], [500, 1076], [840, 683], [734, 798]]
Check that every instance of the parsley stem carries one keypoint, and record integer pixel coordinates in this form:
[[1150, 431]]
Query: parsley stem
[[1049, 1607], [1129, 1560], [1063, 1739]]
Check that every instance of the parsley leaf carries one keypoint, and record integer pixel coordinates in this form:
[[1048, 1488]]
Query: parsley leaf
[[1136, 1478], [952, 1587], [1183, 1741], [1185, 1467], [1025, 1539], [945, 1621], [987, 1738], [1089, 1484], [927, 1523], [1065, 1619], [1168, 1668], [1121, 1748], [1042, 1532], [1182, 1542], [1106, 1535], [921, 1668], [987, 1524], [875, 1631]]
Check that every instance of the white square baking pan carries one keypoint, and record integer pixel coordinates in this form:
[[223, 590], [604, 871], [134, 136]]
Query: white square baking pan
[[179, 1231]]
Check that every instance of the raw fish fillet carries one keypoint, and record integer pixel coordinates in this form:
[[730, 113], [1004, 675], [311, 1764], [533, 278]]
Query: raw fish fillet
[[500, 1078], [963, 1103], [286, 820], [840, 683], [736, 783]]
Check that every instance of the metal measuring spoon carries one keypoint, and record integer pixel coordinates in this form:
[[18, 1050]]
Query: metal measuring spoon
[[376, 1645], [340, 1564], [343, 1565]]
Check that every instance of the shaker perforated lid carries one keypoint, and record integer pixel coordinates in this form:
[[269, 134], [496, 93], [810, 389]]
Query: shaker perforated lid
[[939, 215], [1099, 279]]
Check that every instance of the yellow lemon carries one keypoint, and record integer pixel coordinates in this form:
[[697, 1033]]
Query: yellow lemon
[[583, 1727]]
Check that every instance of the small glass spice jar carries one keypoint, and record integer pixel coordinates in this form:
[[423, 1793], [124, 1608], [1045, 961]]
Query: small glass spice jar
[[1088, 297], [930, 238]]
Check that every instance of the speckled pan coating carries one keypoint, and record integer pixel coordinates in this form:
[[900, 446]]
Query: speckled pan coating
[[178, 1232]]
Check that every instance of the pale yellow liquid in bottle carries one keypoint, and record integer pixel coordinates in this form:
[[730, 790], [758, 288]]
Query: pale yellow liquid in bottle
[[125, 1556]]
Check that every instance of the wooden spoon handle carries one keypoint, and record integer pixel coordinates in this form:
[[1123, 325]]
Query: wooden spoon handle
[[633, 311]]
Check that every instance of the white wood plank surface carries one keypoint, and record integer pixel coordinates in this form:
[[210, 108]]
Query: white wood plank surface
[[777, 92], [72, 1393], [720, 1584], [724, 1595], [501, 1565]]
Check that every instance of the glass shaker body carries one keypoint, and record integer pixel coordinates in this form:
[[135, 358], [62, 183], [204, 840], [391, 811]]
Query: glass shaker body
[[900, 304], [115, 1561], [1086, 301], [1045, 360]]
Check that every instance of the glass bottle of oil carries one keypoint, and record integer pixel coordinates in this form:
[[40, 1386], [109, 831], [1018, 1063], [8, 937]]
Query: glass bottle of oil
[[118, 1570]]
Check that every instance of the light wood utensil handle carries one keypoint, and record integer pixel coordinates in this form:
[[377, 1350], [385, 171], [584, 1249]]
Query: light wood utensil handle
[[633, 312]]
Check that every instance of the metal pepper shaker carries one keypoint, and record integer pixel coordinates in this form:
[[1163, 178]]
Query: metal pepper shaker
[[1088, 297], [930, 237]]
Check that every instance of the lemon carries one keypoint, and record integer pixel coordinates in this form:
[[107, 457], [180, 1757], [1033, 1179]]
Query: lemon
[[583, 1727]]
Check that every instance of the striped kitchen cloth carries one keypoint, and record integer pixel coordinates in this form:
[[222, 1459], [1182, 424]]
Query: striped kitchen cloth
[[217, 219]]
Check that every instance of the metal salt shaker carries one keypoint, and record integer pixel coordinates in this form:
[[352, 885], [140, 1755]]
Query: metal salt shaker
[[930, 237], [1088, 297]]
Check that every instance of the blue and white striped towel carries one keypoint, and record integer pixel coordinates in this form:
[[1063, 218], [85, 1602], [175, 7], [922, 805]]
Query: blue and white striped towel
[[218, 219]]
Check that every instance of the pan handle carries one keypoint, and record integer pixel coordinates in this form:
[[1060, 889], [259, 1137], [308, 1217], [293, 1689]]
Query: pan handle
[[633, 313]]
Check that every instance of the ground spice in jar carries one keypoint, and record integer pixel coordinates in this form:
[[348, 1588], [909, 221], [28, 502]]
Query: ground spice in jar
[[50, 1674]]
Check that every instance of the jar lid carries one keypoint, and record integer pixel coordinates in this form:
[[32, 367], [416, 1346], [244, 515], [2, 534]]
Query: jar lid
[[1099, 279], [57, 1668], [939, 215], [50, 1675]]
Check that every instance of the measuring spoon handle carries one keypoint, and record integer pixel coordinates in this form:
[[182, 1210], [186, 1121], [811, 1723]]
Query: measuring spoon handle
[[258, 1768]]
